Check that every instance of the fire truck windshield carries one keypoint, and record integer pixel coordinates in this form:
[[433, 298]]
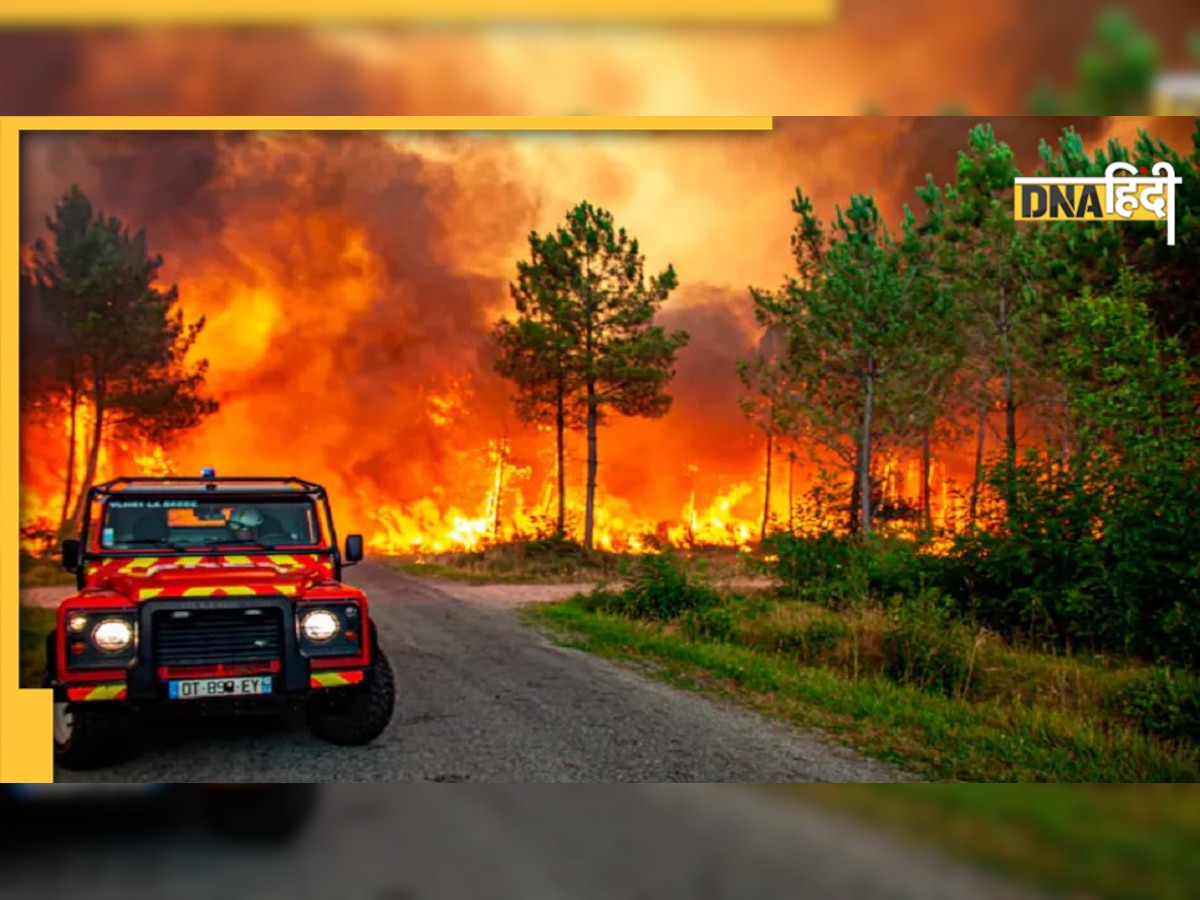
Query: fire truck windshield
[[180, 523]]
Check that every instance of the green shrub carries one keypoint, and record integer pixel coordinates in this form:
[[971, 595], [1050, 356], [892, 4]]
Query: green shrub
[[825, 568], [927, 648], [897, 569], [1159, 702], [662, 590], [717, 624]]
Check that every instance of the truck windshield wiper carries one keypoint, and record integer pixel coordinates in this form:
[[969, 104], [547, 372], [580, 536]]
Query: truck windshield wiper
[[162, 542], [259, 544]]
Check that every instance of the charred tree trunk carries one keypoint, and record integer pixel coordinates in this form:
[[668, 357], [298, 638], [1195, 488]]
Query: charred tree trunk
[[854, 505], [864, 455], [560, 428], [72, 443], [766, 516], [499, 488], [592, 463], [926, 504], [1010, 398], [980, 441], [93, 458], [791, 494]]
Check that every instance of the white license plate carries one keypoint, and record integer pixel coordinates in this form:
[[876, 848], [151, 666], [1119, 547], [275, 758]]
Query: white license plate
[[204, 688]]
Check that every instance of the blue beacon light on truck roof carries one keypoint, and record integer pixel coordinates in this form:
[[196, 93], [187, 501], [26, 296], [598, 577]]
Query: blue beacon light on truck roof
[[208, 473]]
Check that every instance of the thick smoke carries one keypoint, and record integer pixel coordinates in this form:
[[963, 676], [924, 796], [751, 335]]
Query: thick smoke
[[910, 57], [326, 268]]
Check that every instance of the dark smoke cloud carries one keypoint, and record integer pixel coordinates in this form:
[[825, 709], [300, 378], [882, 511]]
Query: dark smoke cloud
[[721, 330], [234, 215]]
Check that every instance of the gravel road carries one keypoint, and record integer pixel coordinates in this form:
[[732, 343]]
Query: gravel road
[[483, 698]]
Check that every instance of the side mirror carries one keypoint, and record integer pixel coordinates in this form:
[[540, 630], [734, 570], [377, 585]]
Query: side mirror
[[70, 555], [354, 549]]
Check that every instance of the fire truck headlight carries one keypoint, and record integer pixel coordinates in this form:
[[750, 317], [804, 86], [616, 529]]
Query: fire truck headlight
[[319, 625], [112, 635]]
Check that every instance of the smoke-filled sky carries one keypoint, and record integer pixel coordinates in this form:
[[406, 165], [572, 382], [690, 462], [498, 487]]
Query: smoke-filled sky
[[904, 56], [350, 282]]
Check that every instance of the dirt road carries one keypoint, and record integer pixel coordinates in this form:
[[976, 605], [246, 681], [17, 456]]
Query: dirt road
[[485, 699]]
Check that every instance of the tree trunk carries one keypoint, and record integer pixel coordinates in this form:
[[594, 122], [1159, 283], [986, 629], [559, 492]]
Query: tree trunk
[[980, 440], [89, 476], [926, 504], [560, 430], [72, 442], [855, 505], [766, 517], [590, 509], [499, 489], [1010, 398], [864, 455], [791, 495]]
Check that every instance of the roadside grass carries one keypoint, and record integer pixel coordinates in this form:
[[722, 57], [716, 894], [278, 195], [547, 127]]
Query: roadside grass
[[1125, 842], [43, 571], [36, 623], [935, 735]]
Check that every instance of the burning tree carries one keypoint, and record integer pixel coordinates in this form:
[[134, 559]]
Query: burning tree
[[105, 344], [766, 404], [865, 320], [991, 266], [583, 341]]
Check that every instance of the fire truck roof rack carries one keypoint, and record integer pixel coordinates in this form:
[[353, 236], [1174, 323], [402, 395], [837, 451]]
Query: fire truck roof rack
[[223, 483]]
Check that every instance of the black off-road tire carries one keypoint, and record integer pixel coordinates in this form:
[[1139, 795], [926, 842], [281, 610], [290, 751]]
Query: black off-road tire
[[260, 813], [101, 731], [356, 715]]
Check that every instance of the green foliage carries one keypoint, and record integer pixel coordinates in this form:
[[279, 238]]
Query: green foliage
[[928, 648], [584, 342], [1083, 336], [839, 571], [101, 331], [822, 568], [1160, 702], [662, 589], [718, 624], [859, 343], [1098, 549]]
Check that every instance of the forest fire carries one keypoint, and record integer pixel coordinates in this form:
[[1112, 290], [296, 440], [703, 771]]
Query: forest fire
[[349, 286]]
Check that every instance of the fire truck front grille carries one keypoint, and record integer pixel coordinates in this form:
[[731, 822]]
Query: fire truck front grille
[[212, 637]]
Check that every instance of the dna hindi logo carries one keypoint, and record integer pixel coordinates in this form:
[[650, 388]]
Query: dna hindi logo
[[1126, 193]]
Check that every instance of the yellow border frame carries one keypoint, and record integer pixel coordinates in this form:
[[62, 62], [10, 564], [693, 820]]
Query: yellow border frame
[[79, 13], [25, 715]]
